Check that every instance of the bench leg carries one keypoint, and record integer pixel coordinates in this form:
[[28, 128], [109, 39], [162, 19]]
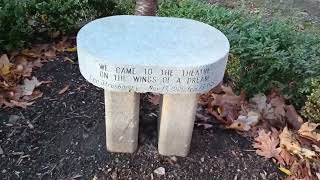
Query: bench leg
[[122, 121], [176, 123]]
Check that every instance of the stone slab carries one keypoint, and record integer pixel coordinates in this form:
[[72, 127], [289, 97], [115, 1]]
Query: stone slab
[[176, 123], [122, 121], [152, 54]]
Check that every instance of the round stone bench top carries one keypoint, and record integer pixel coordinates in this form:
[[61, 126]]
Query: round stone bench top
[[152, 54]]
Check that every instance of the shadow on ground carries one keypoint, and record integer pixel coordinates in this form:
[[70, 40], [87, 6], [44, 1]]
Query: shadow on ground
[[67, 140]]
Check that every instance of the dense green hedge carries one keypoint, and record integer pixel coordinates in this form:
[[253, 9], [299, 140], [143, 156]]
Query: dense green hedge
[[23, 20]]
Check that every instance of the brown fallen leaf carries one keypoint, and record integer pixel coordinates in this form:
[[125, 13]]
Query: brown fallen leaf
[[300, 170], [287, 159], [35, 95], [64, 89], [278, 104], [227, 105], [266, 144], [293, 118], [289, 142], [21, 104], [307, 130], [32, 53]]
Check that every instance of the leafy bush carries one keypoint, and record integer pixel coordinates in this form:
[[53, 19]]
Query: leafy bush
[[14, 27], [20, 20], [264, 54], [311, 110], [125, 7], [55, 15]]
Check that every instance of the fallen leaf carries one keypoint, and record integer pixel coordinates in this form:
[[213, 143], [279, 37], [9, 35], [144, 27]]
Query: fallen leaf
[[227, 105], [160, 171], [293, 117], [73, 49], [238, 125], [267, 144], [68, 59], [4, 65], [301, 170], [287, 159], [5, 69], [307, 130], [288, 141], [284, 170], [35, 95], [21, 104], [29, 85], [32, 53], [244, 122], [64, 89], [279, 105]]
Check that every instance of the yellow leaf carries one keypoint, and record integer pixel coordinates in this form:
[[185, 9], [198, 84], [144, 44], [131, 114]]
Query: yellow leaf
[[4, 65], [73, 49], [284, 170], [5, 69]]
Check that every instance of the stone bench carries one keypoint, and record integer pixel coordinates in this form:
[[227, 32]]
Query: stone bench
[[128, 55]]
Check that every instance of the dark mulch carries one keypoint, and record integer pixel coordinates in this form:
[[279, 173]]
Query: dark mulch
[[68, 140]]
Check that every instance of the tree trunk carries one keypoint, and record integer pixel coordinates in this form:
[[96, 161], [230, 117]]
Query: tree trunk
[[146, 7]]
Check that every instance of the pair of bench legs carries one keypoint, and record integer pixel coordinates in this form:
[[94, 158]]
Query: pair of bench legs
[[175, 129]]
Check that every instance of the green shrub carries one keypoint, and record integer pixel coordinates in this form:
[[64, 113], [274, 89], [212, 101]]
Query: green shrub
[[22, 20], [311, 110], [14, 27], [55, 15], [268, 54], [125, 7]]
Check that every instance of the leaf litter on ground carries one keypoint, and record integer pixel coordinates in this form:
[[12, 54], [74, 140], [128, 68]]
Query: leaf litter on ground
[[18, 88], [278, 131]]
